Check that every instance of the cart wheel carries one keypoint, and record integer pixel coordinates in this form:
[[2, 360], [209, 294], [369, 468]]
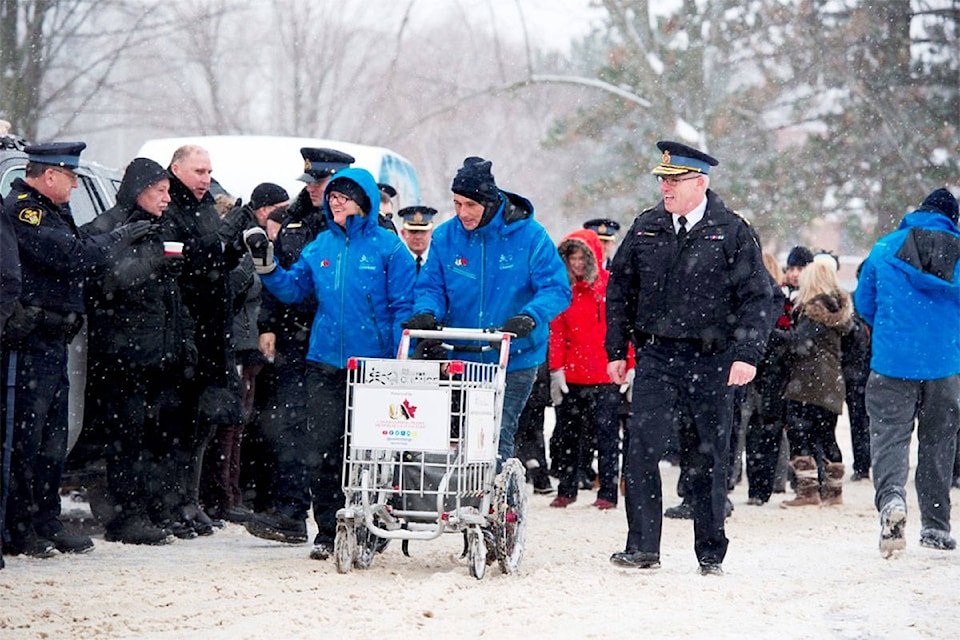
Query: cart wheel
[[510, 514], [367, 546], [477, 552], [344, 547]]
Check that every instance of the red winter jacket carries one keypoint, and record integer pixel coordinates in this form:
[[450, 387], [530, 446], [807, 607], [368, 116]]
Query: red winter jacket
[[577, 335]]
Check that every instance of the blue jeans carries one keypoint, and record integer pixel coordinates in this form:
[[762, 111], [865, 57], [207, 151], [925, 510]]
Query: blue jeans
[[518, 387], [893, 404]]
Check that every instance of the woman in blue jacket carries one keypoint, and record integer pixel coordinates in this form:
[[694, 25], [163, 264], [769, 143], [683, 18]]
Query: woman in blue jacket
[[362, 276]]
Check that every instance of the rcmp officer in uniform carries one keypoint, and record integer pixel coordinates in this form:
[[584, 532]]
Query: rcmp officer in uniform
[[607, 230], [688, 286], [416, 231], [54, 258]]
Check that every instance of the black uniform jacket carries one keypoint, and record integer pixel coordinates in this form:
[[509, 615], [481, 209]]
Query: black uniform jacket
[[713, 289]]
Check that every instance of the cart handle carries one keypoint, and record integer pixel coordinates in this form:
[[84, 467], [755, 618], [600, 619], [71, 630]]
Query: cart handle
[[490, 336]]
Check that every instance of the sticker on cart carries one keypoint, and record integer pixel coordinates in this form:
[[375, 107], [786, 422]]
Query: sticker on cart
[[402, 373], [481, 425], [387, 418]]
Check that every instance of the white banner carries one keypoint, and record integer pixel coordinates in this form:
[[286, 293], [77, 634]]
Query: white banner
[[401, 419]]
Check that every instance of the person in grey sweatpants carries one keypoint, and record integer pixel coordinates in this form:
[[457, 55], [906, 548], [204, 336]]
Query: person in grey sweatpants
[[909, 294]]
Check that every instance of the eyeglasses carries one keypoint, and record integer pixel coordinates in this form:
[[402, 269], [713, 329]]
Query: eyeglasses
[[338, 198], [67, 172], [674, 180]]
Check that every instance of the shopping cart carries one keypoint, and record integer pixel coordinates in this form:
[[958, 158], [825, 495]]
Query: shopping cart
[[420, 455]]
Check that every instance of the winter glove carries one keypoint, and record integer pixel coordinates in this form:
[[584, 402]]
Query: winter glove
[[189, 357], [520, 325], [235, 222], [421, 321], [129, 233], [558, 386], [171, 265], [627, 387], [261, 249], [21, 323]]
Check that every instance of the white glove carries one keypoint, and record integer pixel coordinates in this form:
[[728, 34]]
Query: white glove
[[261, 249], [558, 386], [627, 387]]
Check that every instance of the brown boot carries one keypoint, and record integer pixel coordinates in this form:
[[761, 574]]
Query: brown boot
[[832, 493], [808, 486]]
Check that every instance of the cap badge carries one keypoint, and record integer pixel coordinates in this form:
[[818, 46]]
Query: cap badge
[[306, 165], [602, 228], [666, 158], [418, 217]]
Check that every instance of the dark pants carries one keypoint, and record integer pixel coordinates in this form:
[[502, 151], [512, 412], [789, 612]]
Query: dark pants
[[529, 442], [283, 422], [859, 423], [812, 432], [678, 388], [589, 411], [326, 415], [763, 438], [39, 437], [130, 411]]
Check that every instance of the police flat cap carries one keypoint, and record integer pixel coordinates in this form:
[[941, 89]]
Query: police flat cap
[[57, 154], [319, 163], [605, 228], [679, 158]]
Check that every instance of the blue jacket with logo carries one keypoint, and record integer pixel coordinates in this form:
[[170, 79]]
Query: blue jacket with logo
[[479, 278], [909, 293], [363, 279]]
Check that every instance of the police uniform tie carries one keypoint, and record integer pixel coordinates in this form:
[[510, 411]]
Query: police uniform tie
[[419, 263], [682, 232]]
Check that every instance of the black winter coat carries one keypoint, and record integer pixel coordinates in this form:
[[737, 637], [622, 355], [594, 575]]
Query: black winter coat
[[136, 314]]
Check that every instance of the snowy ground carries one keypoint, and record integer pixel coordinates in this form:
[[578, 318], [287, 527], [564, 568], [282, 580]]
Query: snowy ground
[[798, 573]]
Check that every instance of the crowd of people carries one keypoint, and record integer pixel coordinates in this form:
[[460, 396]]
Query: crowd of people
[[219, 334]]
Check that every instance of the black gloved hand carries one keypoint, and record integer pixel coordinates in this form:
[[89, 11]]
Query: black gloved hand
[[261, 249], [421, 321], [21, 323], [519, 325], [171, 265], [129, 233], [235, 222], [189, 357]]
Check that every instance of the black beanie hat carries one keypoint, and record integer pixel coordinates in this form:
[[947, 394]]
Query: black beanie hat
[[266, 194], [352, 190], [799, 257], [474, 181], [941, 201]]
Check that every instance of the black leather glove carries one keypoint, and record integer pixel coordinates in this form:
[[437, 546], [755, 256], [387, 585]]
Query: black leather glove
[[261, 249], [131, 232], [235, 222], [21, 323], [171, 265], [421, 321], [520, 325], [189, 357]]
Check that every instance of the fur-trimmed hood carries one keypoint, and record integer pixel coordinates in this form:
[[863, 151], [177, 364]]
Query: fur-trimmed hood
[[588, 242], [832, 310]]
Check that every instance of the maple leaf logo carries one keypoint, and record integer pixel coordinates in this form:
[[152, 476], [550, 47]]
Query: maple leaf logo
[[409, 409]]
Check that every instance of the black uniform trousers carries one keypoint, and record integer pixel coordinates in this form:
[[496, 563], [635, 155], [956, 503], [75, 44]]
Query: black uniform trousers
[[39, 436], [677, 387]]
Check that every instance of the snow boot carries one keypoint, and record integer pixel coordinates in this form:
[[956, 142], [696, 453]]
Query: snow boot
[[808, 485], [831, 494]]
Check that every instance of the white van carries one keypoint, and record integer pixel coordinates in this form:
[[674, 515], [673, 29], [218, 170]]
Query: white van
[[240, 163]]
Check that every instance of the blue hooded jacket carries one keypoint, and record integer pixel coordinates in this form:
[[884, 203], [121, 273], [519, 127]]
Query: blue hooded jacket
[[479, 278], [909, 293], [363, 279]]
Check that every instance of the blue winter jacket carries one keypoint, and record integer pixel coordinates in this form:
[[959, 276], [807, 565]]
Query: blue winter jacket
[[363, 278], [479, 278], [909, 293]]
